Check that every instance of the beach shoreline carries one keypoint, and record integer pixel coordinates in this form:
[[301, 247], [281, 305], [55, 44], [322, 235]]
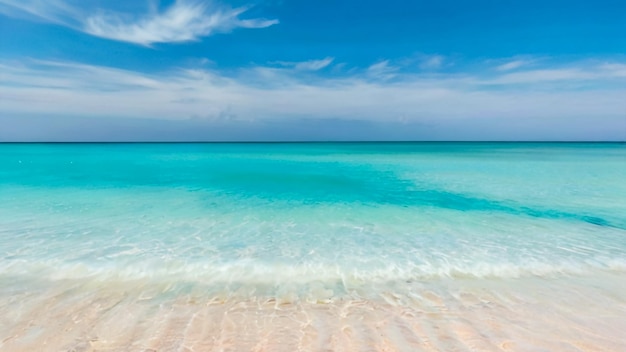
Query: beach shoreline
[[525, 314]]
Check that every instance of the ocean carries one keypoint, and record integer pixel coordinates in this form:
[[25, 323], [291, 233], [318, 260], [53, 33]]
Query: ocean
[[313, 246]]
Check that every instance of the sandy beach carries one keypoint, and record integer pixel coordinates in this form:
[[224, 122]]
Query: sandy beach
[[498, 315]]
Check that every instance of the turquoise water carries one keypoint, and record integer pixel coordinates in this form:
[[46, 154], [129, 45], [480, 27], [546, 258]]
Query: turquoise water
[[310, 220]]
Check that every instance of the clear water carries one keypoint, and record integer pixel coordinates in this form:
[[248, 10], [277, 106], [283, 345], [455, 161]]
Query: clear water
[[311, 222]]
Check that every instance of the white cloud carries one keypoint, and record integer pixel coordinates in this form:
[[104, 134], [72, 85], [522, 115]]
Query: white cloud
[[185, 20], [382, 70], [512, 65], [55, 11], [563, 74], [544, 75], [70, 89], [310, 65], [314, 65], [614, 69]]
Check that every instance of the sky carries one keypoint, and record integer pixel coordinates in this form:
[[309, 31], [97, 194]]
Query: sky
[[312, 70]]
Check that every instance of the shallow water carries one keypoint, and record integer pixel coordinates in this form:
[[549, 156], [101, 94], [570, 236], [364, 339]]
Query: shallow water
[[405, 246]]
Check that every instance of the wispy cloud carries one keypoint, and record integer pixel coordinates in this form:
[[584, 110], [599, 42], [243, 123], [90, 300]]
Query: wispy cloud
[[309, 65], [613, 69], [54, 11], [184, 20], [528, 101], [594, 73], [382, 70], [512, 65]]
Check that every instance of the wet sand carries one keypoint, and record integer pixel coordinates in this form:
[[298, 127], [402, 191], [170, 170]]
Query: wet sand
[[471, 315]]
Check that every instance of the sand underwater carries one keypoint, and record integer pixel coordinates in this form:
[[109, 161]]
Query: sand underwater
[[313, 247]]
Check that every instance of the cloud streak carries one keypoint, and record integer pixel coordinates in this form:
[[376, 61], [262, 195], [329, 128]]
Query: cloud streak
[[309, 65], [183, 21], [54, 11], [451, 104], [382, 70], [512, 65]]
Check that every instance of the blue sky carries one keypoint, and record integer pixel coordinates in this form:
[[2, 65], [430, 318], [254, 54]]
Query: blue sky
[[312, 70]]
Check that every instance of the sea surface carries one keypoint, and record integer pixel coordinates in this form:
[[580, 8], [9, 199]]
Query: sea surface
[[317, 246]]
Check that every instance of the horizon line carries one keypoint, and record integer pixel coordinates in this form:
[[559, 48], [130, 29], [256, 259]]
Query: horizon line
[[318, 142]]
